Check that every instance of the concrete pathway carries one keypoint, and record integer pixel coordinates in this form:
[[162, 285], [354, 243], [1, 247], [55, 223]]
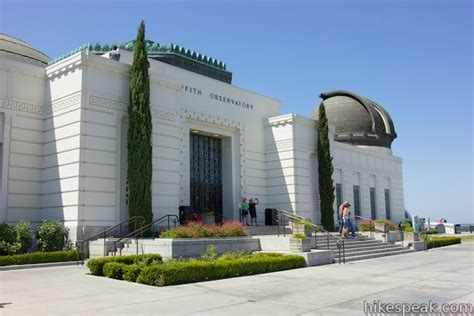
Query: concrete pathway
[[441, 275]]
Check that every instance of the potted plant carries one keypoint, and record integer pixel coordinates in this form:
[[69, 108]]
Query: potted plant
[[303, 227], [409, 234], [300, 243], [208, 217]]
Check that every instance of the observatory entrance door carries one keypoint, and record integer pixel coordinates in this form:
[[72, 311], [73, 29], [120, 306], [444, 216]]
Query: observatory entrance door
[[206, 173]]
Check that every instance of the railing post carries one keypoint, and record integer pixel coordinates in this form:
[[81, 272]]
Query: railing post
[[168, 222], [104, 245], [344, 251], [278, 226], [327, 237], [339, 251]]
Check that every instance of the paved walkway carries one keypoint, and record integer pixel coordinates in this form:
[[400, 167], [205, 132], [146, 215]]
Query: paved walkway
[[441, 275]]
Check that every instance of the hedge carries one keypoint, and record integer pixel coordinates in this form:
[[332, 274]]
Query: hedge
[[435, 242], [197, 271], [131, 272], [114, 270], [96, 266], [122, 271], [40, 257]]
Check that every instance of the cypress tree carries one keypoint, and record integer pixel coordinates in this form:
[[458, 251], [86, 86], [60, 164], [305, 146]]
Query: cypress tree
[[139, 133], [325, 170]]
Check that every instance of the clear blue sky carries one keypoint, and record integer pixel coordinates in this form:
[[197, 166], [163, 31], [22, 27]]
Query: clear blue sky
[[414, 57]]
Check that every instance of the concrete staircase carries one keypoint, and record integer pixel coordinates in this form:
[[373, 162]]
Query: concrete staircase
[[360, 248]]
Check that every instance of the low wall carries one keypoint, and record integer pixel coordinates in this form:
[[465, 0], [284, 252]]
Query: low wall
[[175, 248]]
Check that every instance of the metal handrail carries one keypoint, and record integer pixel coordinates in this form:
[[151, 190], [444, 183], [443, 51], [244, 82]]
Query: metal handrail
[[144, 228], [372, 227], [340, 244], [104, 234]]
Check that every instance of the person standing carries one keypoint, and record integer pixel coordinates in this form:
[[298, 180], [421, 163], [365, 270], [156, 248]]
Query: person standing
[[346, 218], [340, 211], [253, 211], [245, 212]]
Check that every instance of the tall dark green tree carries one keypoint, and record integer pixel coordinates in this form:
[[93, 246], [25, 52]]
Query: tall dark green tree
[[325, 170], [139, 133]]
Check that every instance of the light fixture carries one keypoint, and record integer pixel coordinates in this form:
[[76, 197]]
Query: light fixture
[[216, 135], [195, 131]]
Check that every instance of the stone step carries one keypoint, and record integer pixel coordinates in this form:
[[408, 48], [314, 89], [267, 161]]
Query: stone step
[[368, 251], [267, 230], [369, 248], [376, 255], [323, 245]]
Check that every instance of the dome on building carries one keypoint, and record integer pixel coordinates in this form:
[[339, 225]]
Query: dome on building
[[23, 51], [358, 120]]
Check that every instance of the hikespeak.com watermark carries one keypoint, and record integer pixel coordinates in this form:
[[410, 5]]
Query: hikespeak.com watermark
[[429, 308]]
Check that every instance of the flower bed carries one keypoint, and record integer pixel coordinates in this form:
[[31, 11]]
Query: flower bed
[[39, 257], [196, 230]]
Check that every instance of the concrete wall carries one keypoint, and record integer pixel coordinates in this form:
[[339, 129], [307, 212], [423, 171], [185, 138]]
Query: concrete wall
[[22, 104]]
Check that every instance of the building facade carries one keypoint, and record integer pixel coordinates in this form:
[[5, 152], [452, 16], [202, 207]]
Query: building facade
[[63, 141]]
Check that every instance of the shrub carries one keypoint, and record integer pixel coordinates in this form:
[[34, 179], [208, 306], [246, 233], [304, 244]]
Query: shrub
[[210, 254], [404, 224], [40, 257], [365, 226], [306, 223], [299, 236], [197, 230], [24, 235], [197, 271], [15, 239], [434, 242], [429, 232], [52, 235], [8, 244], [408, 229], [233, 255], [391, 225], [114, 270], [131, 272], [96, 266]]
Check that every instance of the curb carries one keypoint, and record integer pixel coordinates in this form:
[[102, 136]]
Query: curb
[[37, 265]]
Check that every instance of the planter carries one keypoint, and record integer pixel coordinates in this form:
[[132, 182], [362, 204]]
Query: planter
[[411, 236], [208, 219], [380, 227], [300, 245], [394, 236], [302, 229]]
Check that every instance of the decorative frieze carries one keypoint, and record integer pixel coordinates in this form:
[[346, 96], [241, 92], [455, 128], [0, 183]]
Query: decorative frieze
[[21, 106], [107, 103], [63, 104], [163, 115]]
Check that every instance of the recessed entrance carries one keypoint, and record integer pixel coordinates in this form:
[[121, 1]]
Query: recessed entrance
[[206, 172]]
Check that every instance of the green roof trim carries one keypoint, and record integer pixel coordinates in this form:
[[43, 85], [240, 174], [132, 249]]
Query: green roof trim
[[154, 50]]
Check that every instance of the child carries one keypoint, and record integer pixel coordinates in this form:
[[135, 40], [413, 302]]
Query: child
[[245, 212]]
